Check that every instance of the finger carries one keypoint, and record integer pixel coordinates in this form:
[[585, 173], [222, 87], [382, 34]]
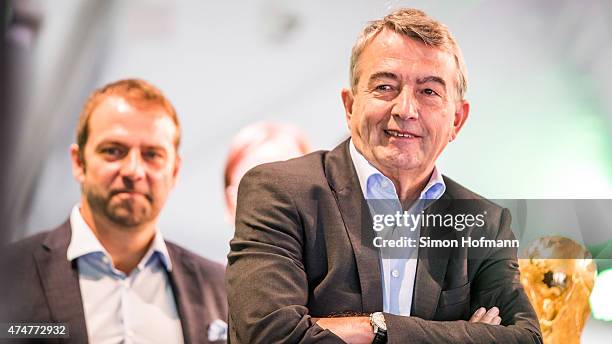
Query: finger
[[496, 320], [478, 314], [490, 315]]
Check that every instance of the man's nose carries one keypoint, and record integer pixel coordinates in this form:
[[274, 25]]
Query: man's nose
[[404, 105], [133, 166]]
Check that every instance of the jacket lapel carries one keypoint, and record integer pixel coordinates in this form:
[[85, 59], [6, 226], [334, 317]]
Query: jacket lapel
[[187, 294], [431, 266], [432, 263], [343, 180], [60, 282]]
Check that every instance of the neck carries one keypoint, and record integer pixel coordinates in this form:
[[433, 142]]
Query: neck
[[409, 185], [126, 245]]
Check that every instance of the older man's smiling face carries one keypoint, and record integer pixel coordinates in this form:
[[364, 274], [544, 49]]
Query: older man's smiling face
[[404, 109]]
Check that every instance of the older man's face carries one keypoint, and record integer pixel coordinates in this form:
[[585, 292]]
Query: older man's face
[[403, 110], [130, 162]]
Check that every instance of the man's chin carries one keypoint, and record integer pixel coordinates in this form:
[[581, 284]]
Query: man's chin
[[399, 161], [127, 221], [133, 217]]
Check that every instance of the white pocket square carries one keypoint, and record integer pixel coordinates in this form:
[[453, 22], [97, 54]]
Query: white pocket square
[[217, 330]]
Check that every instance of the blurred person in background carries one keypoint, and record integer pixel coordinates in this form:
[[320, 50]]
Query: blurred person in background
[[257, 144], [107, 272]]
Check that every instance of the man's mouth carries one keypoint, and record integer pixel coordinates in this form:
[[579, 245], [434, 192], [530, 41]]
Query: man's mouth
[[401, 134], [131, 193], [126, 192]]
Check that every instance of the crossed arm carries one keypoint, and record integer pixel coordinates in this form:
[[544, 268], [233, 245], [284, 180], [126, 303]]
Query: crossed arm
[[357, 330], [268, 286]]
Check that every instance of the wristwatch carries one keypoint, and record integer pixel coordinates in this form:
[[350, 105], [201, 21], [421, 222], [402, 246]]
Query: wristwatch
[[377, 320]]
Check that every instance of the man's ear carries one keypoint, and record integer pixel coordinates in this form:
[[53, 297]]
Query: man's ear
[[231, 194], [177, 167], [78, 164], [461, 115], [347, 100]]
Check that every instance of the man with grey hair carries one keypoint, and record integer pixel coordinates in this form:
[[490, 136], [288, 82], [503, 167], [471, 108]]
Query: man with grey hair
[[305, 265]]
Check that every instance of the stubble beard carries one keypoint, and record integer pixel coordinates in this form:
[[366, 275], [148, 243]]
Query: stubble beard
[[126, 213]]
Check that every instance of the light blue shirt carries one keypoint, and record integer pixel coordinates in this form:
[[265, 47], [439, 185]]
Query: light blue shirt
[[119, 308], [398, 274]]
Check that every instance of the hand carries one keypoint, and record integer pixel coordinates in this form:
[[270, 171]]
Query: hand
[[353, 330], [490, 317]]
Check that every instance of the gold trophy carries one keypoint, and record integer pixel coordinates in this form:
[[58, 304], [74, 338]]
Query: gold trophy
[[558, 275]]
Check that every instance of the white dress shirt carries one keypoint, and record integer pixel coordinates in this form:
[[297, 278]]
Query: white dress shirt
[[398, 273], [119, 308]]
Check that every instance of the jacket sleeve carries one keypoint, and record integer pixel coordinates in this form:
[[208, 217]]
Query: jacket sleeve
[[266, 280], [496, 283]]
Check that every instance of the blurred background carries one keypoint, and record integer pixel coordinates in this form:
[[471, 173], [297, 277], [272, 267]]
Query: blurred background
[[539, 84]]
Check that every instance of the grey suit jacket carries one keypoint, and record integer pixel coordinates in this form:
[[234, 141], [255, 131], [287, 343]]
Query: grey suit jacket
[[40, 285], [300, 251]]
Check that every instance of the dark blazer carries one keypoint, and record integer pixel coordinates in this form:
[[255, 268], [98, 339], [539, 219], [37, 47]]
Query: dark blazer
[[300, 250], [41, 285]]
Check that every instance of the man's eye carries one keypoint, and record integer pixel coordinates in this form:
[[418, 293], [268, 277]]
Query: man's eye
[[112, 151], [384, 88], [429, 92], [151, 155]]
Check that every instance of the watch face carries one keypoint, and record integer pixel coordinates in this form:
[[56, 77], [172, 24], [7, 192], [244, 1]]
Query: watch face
[[379, 320]]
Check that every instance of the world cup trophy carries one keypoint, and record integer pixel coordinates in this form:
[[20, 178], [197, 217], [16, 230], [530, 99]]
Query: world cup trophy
[[558, 275]]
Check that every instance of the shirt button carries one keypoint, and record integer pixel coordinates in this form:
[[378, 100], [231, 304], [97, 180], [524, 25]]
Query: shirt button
[[395, 273]]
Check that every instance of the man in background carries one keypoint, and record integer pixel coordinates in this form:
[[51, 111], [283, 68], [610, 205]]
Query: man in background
[[107, 272], [257, 144]]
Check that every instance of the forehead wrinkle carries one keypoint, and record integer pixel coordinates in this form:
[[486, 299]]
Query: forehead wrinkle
[[431, 78], [400, 50], [129, 131], [114, 141], [384, 75]]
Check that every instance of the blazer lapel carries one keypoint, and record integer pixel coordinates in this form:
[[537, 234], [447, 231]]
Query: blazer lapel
[[431, 266], [343, 180], [187, 294], [60, 282]]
